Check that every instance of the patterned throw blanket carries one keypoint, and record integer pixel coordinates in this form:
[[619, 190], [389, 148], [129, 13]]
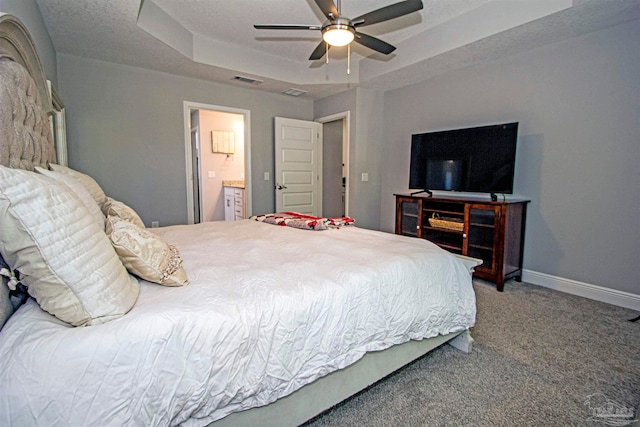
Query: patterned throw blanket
[[305, 222]]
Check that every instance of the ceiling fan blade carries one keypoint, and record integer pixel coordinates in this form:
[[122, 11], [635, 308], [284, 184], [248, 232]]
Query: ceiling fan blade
[[388, 12], [286, 27], [319, 51], [328, 8], [373, 43]]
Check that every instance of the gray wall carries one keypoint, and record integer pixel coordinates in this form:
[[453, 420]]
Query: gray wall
[[579, 148], [369, 139], [125, 127], [28, 12]]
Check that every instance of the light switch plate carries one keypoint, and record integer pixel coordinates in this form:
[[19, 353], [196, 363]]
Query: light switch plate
[[365, 177]]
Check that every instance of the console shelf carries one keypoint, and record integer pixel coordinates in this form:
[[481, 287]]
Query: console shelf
[[492, 231]]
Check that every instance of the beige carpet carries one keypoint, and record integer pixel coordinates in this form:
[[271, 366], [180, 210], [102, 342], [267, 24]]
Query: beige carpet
[[541, 358]]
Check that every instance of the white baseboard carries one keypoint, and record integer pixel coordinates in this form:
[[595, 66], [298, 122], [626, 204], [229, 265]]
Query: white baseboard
[[574, 287]]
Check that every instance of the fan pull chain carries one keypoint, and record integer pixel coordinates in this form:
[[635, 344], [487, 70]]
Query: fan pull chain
[[348, 59], [327, 52]]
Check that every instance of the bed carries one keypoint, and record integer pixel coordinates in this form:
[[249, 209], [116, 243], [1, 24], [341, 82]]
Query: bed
[[276, 324]]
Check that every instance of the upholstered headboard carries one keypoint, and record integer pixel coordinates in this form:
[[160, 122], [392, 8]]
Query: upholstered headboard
[[25, 133]]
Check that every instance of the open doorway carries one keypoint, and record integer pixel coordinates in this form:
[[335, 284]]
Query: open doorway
[[217, 152], [335, 164]]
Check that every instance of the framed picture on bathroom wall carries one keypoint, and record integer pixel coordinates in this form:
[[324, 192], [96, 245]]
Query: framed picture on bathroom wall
[[223, 141]]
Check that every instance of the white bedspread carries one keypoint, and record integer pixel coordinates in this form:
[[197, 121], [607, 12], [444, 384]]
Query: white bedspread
[[268, 310]]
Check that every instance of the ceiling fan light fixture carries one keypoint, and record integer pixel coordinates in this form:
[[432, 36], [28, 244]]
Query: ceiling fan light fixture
[[340, 30], [338, 34]]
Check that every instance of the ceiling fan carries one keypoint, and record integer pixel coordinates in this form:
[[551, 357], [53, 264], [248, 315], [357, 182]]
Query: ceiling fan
[[339, 30]]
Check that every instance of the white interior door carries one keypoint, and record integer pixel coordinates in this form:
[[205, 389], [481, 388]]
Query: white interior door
[[298, 166]]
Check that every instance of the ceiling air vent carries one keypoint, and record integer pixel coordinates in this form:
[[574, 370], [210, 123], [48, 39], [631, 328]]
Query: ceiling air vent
[[294, 92], [249, 80]]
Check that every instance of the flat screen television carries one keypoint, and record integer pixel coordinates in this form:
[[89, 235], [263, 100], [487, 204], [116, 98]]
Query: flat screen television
[[476, 160]]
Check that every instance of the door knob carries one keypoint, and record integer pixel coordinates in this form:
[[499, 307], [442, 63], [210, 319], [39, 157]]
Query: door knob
[[280, 187]]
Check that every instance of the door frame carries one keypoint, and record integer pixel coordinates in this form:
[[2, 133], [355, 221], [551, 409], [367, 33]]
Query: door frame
[[187, 107], [346, 116], [195, 131]]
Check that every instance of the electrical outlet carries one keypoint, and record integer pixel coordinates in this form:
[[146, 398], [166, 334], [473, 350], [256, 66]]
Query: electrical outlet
[[155, 224], [212, 174], [365, 177]]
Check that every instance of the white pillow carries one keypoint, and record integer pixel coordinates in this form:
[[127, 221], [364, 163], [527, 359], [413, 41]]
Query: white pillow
[[88, 182], [146, 254], [116, 208], [77, 187], [62, 256]]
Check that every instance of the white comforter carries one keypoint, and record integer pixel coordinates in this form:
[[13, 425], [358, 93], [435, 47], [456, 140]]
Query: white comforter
[[268, 310]]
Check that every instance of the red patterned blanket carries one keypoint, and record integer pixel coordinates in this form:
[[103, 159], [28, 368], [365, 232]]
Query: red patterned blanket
[[302, 221]]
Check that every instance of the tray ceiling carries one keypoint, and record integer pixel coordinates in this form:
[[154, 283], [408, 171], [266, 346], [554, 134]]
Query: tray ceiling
[[215, 39]]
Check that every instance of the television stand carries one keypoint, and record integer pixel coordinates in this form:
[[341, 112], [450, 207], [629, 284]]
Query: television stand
[[489, 230]]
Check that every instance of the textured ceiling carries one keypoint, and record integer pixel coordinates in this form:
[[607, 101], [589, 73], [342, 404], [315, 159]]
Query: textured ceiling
[[218, 20], [215, 39]]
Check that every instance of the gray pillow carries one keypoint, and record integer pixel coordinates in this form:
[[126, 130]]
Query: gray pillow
[[6, 308], [9, 300]]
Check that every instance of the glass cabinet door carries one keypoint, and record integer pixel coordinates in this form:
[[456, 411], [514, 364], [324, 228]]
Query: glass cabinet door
[[482, 234], [408, 217]]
